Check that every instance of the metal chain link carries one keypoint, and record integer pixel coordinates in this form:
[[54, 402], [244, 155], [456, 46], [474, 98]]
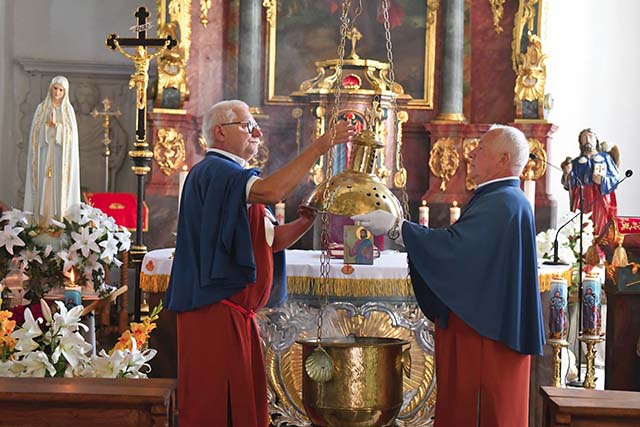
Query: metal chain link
[[394, 104], [325, 265]]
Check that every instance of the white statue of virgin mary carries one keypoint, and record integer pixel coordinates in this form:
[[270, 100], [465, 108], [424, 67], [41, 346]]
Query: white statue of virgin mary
[[52, 185]]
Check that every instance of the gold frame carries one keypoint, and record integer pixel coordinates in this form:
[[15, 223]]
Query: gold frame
[[431, 21]]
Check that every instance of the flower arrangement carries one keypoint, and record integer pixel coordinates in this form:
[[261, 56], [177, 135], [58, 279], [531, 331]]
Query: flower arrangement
[[58, 350], [87, 241], [568, 240]]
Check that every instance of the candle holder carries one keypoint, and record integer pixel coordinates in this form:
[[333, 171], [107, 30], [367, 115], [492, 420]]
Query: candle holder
[[557, 346], [72, 293], [590, 376]]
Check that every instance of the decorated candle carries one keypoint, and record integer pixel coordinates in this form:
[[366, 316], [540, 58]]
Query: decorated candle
[[423, 214], [530, 190], [454, 212], [558, 309], [591, 305]]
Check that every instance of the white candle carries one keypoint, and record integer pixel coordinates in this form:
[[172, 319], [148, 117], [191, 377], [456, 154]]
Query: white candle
[[423, 214], [280, 212], [181, 178], [530, 192], [454, 212]]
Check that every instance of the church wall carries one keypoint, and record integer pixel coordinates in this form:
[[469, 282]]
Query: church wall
[[67, 37]]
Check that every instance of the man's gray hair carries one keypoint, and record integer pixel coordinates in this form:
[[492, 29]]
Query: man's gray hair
[[515, 143], [219, 113]]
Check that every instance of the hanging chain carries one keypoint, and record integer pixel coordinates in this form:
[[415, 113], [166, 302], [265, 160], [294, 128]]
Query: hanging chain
[[394, 104], [324, 234]]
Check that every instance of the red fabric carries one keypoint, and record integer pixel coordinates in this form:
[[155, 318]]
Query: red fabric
[[121, 206], [603, 209], [220, 363], [470, 367]]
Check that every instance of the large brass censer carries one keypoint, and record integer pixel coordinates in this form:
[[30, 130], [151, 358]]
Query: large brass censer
[[366, 389], [357, 189]]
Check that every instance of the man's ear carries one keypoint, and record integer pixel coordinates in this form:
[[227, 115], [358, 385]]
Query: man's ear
[[218, 134]]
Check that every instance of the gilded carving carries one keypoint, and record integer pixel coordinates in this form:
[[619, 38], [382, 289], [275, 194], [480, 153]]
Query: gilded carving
[[497, 9], [535, 169], [169, 150], [468, 145], [400, 177], [205, 5], [532, 72], [444, 160], [271, 6], [261, 158], [172, 65]]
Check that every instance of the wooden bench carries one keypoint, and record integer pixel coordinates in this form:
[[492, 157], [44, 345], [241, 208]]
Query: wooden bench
[[579, 407], [68, 402]]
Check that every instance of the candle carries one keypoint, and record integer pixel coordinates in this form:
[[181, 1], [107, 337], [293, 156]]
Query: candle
[[591, 305], [454, 212], [182, 177], [423, 214], [280, 212], [72, 293], [558, 309], [530, 190]]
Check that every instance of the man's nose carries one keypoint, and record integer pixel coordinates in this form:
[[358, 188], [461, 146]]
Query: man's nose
[[256, 131]]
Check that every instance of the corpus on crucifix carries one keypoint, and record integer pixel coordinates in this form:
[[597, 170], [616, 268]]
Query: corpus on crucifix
[[141, 155], [106, 141]]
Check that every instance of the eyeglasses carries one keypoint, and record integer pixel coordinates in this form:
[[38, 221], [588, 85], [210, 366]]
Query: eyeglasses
[[250, 125]]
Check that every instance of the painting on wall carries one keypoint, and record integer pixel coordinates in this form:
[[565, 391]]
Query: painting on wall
[[301, 32]]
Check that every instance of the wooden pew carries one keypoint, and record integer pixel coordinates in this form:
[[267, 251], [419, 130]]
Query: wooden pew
[[579, 407], [68, 402]]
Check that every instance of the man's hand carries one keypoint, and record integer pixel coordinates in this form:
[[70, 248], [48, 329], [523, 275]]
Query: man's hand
[[377, 222], [344, 133], [306, 214]]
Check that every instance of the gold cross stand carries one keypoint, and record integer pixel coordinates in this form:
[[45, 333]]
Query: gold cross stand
[[106, 141], [141, 155]]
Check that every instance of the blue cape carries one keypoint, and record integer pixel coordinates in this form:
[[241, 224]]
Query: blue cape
[[214, 255], [483, 268]]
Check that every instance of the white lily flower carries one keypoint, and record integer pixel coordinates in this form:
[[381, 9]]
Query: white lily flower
[[73, 347], [25, 334], [110, 248], [92, 265], [36, 364], [15, 216], [9, 238], [47, 251], [46, 312], [67, 319], [124, 237], [85, 241], [28, 255], [70, 259]]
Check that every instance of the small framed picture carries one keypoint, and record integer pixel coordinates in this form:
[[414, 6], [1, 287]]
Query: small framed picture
[[358, 245]]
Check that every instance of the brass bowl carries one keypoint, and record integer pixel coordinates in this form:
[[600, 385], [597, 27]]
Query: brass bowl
[[366, 387]]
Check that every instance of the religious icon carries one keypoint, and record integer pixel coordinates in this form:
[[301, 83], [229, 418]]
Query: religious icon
[[591, 306], [558, 310], [358, 245]]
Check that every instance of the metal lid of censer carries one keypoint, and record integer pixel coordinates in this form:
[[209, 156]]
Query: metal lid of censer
[[356, 190]]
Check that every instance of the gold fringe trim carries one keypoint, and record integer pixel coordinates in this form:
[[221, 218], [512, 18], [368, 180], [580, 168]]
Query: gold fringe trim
[[154, 283], [303, 285], [544, 280]]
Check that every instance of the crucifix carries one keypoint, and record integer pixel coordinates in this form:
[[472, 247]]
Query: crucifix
[[106, 141], [141, 155]]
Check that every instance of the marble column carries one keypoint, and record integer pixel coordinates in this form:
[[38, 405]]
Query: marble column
[[451, 77], [250, 45]]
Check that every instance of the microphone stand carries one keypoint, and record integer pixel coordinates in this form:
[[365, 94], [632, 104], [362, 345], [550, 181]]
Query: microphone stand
[[555, 261]]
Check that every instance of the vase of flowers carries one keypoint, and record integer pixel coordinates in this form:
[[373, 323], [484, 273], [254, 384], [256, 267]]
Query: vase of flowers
[[86, 241]]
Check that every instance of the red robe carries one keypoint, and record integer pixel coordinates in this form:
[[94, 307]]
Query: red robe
[[481, 382], [227, 373]]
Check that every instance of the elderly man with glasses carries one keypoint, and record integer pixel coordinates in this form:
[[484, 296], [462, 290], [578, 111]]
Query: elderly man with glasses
[[223, 267]]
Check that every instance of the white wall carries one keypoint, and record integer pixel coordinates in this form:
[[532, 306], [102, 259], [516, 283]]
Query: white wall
[[593, 74], [58, 31]]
